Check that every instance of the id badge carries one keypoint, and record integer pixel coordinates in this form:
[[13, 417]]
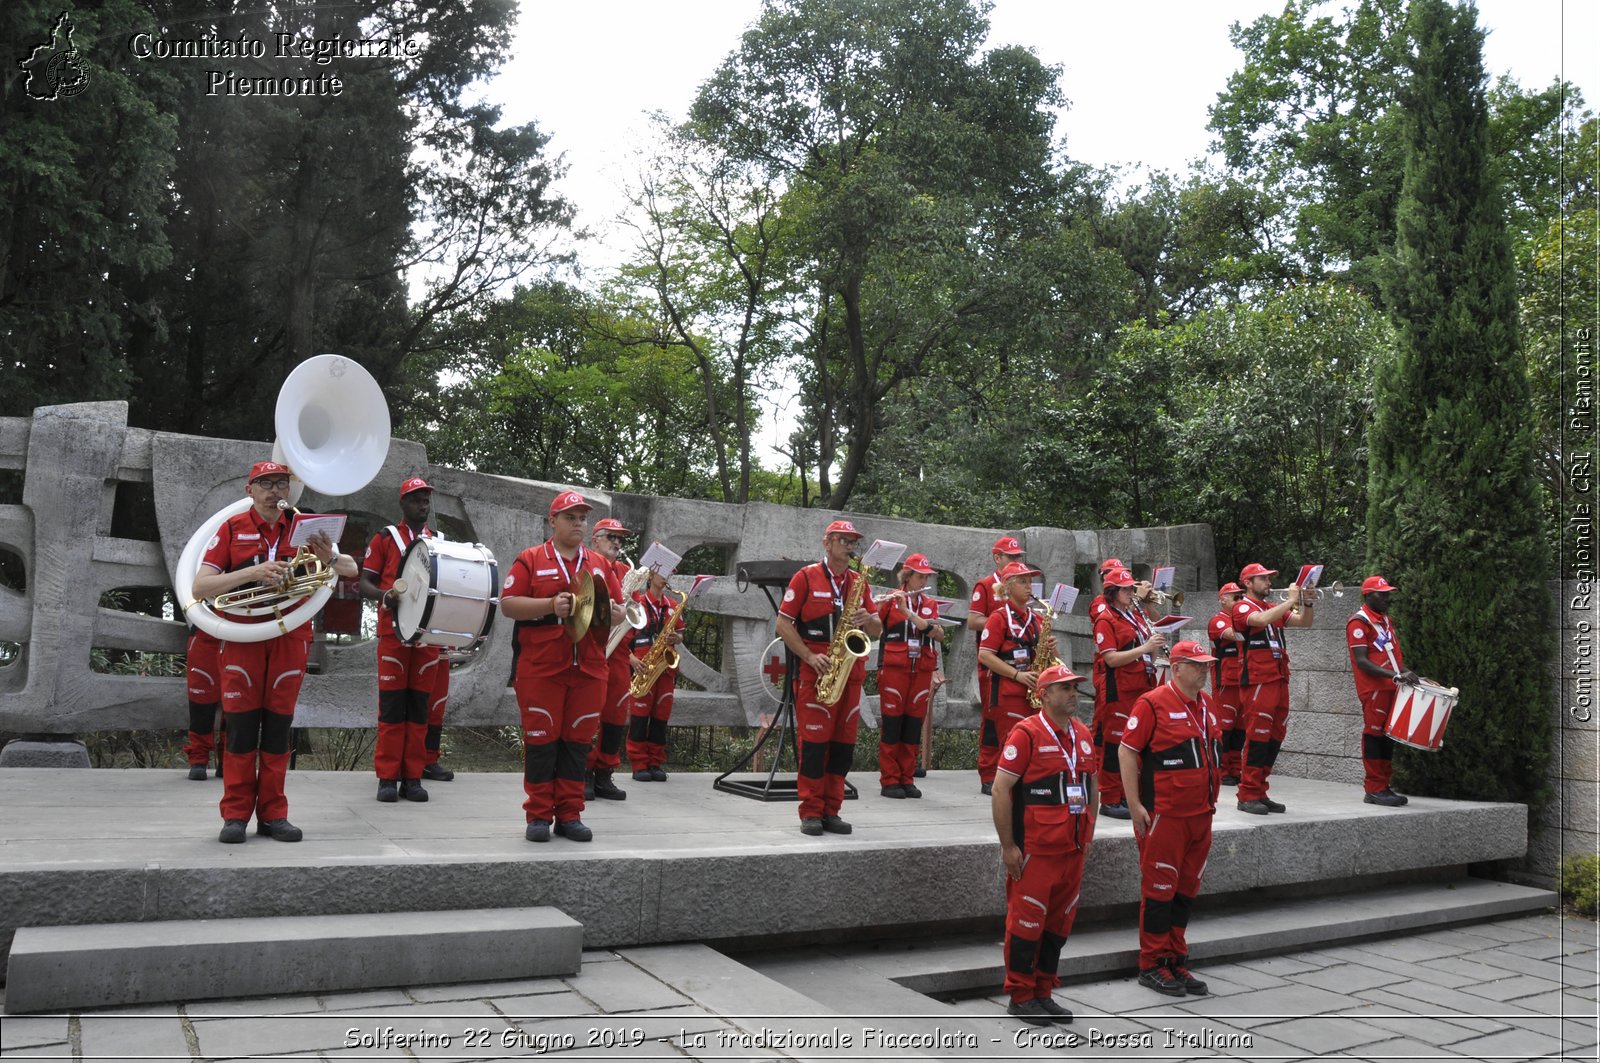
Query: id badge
[[913, 646], [1077, 799], [1020, 657]]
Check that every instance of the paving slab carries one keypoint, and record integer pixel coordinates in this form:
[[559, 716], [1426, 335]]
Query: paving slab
[[624, 987], [1440, 1032], [1514, 1042], [1346, 977], [122, 1037], [1513, 988]]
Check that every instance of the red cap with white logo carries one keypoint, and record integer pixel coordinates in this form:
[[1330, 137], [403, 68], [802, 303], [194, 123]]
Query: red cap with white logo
[[267, 468], [1008, 544], [842, 527], [611, 524], [568, 500], [416, 483]]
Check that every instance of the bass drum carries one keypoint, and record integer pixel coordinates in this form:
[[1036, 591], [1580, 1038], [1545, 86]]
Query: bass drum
[[449, 593]]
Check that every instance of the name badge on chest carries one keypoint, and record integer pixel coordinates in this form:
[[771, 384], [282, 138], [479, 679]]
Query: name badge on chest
[[1077, 798]]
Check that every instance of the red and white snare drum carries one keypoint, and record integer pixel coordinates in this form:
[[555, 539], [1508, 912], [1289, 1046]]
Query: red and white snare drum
[[1420, 715]]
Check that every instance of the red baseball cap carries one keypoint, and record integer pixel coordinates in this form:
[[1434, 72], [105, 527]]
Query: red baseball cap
[[568, 500], [919, 563], [1058, 673], [1229, 588], [267, 468], [416, 483], [1189, 651], [611, 524], [1110, 563], [1007, 544], [1119, 577], [1374, 584], [1253, 570], [1018, 568], [842, 527]]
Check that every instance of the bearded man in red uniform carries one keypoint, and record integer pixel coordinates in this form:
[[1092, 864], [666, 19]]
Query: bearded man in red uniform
[[812, 610], [1264, 681], [987, 596], [908, 674], [606, 756], [560, 684], [408, 676], [260, 681], [1044, 813], [1124, 651], [1010, 650], [1227, 647], [1378, 664], [1171, 773]]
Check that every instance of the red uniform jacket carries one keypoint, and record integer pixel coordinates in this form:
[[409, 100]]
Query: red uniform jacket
[[903, 644], [244, 540], [1376, 633], [1013, 635], [1266, 657], [542, 646], [1176, 739], [1045, 762], [382, 563]]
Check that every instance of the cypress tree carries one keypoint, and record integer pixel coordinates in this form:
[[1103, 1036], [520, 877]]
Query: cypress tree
[[1453, 517]]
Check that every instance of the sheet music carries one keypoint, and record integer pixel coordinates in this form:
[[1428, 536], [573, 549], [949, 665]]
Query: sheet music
[[883, 554], [1063, 598], [1170, 623], [1309, 575], [307, 525], [1161, 578], [662, 560]]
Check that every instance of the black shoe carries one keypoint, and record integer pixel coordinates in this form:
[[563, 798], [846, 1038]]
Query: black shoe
[[575, 830], [643, 775], [1162, 981], [987, 789], [1056, 1011], [607, 790], [1255, 808], [232, 832], [657, 775], [1230, 780], [920, 773], [911, 791], [1274, 806], [811, 825], [412, 790], [1387, 798], [1191, 985], [896, 792], [388, 791], [1031, 1012], [279, 830], [197, 773], [588, 786], [1116, 811], [538, 831], [835, 825], [434, 773]]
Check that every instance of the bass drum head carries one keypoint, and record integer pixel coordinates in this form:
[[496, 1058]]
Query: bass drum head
[[416, 569]]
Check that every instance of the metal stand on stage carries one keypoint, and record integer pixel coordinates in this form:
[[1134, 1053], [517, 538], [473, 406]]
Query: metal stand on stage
[[770, 575]]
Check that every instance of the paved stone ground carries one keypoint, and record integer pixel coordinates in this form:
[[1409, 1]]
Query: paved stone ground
[[1516, 989]]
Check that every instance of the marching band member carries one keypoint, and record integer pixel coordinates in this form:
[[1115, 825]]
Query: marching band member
[[560, 684], [1008, 649], [1170, 772], [1264, 681], [1375, 656], [202, 666], [908, 674], [812, 609], [260, 681], [1045, 825], [1125, 649], [1142, 590], [987, 596], [408, 676], [647, 726], [1225, 646], [606, 756]]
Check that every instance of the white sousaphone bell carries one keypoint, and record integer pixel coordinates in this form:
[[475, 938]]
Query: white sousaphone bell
[[333, 434]]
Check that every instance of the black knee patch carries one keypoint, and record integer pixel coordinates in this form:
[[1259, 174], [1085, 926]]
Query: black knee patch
[[1157, 918], [1373, 747], [892, 728], [417, 707], [989, 737], [243, 730], [611, 737], [392, 705], [1258, 754], [1111, 761], [203, 717], [813, 759], [539, 762], [431, 742], [1272, 752], [657, 734], [1180, 909], [572, 759], [911, 730], [276, 730], [1050, 952], [841, 755], [638, 728], [1234, 740], [1022, 954]]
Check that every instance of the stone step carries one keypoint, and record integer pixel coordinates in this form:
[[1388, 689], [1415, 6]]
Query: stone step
[[55, 968]]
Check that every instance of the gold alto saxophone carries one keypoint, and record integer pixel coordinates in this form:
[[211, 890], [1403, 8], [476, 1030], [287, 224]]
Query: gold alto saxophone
[[849, 643], [661, 655], [1046, 658]]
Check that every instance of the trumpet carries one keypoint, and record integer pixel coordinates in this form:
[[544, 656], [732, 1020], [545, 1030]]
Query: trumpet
[[306, 575], [1165, 600], [1308, 595]]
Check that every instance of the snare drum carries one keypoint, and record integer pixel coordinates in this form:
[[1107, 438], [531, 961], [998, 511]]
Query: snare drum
[[450, 591], [1420, 714]]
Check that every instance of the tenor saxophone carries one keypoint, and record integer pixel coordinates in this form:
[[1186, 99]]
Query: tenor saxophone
[[849, 643], [660, 656], [1045, 658]]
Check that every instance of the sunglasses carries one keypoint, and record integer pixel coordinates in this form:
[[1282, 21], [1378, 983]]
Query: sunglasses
[[612, 537]]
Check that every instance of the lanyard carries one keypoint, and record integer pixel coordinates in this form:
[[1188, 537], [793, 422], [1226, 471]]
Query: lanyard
[[1069, 749], [837, 585], [577, 566], [1384, 629], [1017, 632]]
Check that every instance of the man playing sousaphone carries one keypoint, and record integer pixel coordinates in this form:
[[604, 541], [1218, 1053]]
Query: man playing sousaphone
[[1375, 656], [824, 604], [260, 681], [1009, 649]]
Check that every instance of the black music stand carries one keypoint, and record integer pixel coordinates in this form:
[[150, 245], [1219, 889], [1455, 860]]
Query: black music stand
[[769, 575]]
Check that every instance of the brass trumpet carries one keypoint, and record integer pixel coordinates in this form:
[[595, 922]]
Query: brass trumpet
[[1308, 595], [1165, 600]]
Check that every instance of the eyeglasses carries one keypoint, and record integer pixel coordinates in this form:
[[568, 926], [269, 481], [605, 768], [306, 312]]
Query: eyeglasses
[[612, 537], [273, 485]]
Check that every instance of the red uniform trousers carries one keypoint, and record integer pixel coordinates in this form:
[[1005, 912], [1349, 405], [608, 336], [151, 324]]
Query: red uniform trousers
[[260, 684], [1230, 718], [407, 678], [1266, 719], [1172, 860], [607, 752], [203, 662], [1110, 720], [1040, 909], [436, 704], [647, 725], [827, 737], [903, 697], [998, 720], [560, 715], [1377, 748]]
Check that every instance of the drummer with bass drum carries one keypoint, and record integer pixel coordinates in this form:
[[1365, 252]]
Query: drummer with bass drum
[[1376, 659]]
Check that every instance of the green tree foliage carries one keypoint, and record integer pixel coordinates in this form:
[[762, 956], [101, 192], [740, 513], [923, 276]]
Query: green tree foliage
[[1453, 517]]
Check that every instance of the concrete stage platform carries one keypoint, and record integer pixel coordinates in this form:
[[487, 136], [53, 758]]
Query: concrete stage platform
[[676, 862]]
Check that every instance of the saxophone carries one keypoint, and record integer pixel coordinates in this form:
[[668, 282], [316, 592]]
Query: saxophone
[[661, 655], [1046, 658], [849, 643]]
